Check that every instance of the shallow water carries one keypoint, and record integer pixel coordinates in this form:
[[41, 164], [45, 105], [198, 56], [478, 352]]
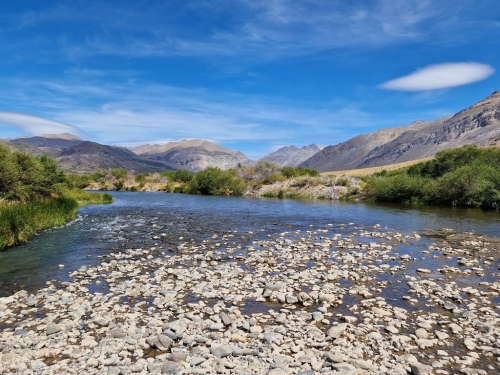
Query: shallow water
[[134, 218]]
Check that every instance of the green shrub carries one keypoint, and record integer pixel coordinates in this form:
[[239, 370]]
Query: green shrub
[[181, 176], [75, 181], [25, 177], [468, 176], [214, 181], [273, 178], [140, 178], [290, 172], [119, 173], [118, 185], [343, 181]]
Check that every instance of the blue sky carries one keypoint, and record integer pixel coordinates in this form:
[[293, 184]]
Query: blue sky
[[253, 75]]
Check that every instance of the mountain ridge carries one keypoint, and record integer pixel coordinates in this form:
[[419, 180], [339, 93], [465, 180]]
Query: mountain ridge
[[477, 124], [291, 156]]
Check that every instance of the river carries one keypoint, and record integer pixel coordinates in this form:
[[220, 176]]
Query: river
[[269, 282], [132, 217]]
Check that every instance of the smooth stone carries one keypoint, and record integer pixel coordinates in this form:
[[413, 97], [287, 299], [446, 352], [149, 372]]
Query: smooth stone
[[423, 270], [275, 287], [113, 371], [101, 322], [178, 356], [379, 311], [291, 299], [335, 358], [418, 368], [216, 326], [336, 331], [221, 350], [53, 328], [421, 333], [278, 371], [449, 306], [92, 362], [195, 361], [117, 333], [472, 371], [155, 367], [170, 367]]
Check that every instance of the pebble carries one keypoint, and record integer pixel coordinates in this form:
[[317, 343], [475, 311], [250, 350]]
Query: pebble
[[325, 303]]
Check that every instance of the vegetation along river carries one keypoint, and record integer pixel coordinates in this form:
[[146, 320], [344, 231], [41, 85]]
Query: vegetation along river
[[407, 279]]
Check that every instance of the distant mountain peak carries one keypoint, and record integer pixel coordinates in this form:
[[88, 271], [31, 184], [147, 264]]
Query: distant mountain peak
[[192, 154], [291, 156]]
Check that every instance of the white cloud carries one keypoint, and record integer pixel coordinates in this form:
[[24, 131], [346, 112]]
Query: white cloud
[[135, 112], [440, 76], [36, 125]]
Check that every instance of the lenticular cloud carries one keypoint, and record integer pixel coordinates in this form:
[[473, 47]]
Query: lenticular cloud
[[35, 124], [440, 76]]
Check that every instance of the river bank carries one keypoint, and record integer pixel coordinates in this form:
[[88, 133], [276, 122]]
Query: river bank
[[338, 298], [328, 187], [21, 220]]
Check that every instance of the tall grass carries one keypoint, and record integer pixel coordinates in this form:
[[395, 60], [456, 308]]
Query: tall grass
[[84, 197], [19, 221]]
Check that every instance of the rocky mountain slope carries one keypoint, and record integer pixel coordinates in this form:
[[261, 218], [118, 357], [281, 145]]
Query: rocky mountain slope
[[49, 144], [193, 155], [291, 156], [88, 157], [78, 156], [479, 124]]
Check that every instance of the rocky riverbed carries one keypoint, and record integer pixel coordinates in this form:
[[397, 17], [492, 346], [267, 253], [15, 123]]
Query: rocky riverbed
[[338, 299]]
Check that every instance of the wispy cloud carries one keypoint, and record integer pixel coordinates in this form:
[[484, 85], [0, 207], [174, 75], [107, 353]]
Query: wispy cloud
[[137, 112], [36, 125], [234, 28], [440, 76]]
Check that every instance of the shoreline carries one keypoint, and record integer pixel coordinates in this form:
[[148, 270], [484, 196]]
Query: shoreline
[[303, 302]]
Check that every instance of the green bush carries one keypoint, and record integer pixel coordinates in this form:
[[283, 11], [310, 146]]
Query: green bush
[[140, 178], [468, 176], [273, 178], [25, 177], [76, 181], [290, 172], [119, 173], [343, 181], [180, 176], [214, 181]]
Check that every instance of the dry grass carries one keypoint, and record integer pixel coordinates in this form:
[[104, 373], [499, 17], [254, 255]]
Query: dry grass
[[369, 171]]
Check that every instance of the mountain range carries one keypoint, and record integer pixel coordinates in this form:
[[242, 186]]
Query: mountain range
[[478, 124]]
